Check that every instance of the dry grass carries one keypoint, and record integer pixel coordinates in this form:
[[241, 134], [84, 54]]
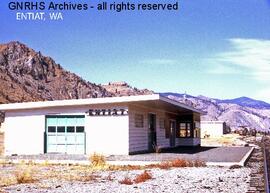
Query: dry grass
[[85, 178], [162, 165], [7, 181], [5, 163], [177, 163], [199, 163], [143, 177], [165, 165], [124, 167], [97, 160], [25, 175], [29, 172], [140, 178], [126, 181], [20, 174]]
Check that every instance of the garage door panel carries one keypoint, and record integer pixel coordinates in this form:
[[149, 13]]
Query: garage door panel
[[61, 148], [71, 149], [65, 134], [80, 149], [71, 121], [52, 148], [52, 139], [61, 139], [80, 121], [80, 139], [61, 121], [71, 139], [51, 121]]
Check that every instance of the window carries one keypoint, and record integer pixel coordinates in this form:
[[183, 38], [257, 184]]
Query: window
[[138, 120], [80, 129], [51, 129], [70, 129], [61, 129], [184, 130], [65, 124], [162, 123], [188, 129], [197, 130]]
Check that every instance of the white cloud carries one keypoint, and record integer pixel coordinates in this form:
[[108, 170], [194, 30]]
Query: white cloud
[[248, 57], [251, 56], [223, 69]]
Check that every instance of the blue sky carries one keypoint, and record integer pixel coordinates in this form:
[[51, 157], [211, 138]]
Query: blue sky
[[216, 48]]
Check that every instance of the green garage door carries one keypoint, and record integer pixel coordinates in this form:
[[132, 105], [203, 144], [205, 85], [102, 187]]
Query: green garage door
[[65, 134]]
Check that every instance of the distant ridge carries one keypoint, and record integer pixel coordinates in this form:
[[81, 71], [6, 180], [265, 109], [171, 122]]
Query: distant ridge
[[237, 113], [247, 102]]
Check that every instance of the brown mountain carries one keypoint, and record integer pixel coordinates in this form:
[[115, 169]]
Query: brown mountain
[[26, 75]]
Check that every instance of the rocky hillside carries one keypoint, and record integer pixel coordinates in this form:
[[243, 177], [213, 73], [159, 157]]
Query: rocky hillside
[[26, 75], [123, 89], [237, 113]]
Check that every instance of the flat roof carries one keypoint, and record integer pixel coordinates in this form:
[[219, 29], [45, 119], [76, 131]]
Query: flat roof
[[93, 101], [213, 122]]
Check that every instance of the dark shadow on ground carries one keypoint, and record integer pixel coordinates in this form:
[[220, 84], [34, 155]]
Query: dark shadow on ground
[[187, 150]]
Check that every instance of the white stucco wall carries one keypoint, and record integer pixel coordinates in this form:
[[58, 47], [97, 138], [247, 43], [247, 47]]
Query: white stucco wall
[[24, 134], [24, 130], [213, 129], [107, 135]]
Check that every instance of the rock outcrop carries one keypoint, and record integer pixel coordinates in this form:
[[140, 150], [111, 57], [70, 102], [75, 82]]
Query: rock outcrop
[[123, 89]]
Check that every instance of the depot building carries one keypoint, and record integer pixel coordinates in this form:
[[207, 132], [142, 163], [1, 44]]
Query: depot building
[[111, 126]]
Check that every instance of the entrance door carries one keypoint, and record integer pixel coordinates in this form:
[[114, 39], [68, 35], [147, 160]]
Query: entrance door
[[152, 134], [65, 134], [172, 133]]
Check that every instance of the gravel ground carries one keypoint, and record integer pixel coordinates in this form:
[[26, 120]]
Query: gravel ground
[[180, 180]]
